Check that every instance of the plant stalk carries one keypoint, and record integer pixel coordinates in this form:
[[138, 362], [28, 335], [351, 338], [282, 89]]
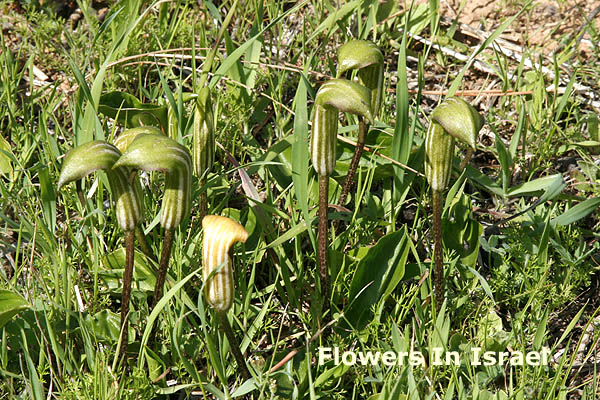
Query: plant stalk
[[438, 275], [203, 202], [233, 344], [363, 128], [126, 294], [323, 227], [143, 243], [163, 265], [465, 160]]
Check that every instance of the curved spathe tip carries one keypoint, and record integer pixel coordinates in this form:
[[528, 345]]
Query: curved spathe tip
[[345, 96], [154, 152], [459, 119], [358, 54], [226, 228], [87, 158], [123, 141]]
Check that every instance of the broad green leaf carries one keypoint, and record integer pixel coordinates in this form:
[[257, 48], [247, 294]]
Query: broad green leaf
[[106, 325], [144, 277], [577, 212], [10, 305], [376, 276], [533, 187], [131, 112]]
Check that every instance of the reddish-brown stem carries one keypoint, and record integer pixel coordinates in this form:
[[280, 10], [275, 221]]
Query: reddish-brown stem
[[438, 275], [234, 345], [162, 268], [203, 202], [363, 127], [126, 295], [323, 225]]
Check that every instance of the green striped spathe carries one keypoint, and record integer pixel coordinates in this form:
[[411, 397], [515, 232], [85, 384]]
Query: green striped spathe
[[323, 139], [203, 144], [459, 119], [127, 136], [334, 96], [367, 58], [151, 152], [99, 155], [220, 233], [439, 153]]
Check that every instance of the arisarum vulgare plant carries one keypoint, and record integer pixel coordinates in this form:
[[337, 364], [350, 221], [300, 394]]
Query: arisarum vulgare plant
[[365, 57], [453, 119], [99, 155], [220, 234], [151, 152], [333, 97]]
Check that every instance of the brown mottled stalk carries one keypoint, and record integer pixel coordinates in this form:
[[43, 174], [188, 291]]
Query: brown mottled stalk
[[99, 155], [323, 228], [367, 59], [438, 274], [360, 144], [163, 266], [333, 96], [126, 295], [234, 345]]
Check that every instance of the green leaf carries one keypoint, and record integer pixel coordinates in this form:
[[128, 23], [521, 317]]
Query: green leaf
[[505, 162], [541, 332], [576, 213], [533, 187], [10, 305], [300, 154], [144, 277], [376, 276], [131, 112], [106, 325], [5, 165], [48, 199]]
